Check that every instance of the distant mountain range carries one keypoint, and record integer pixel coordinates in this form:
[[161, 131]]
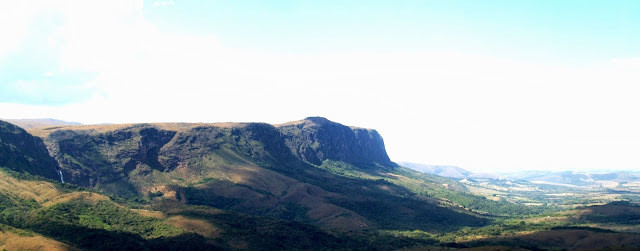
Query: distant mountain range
[[578, 178], [35, 123], [567, 178], [448, 171], [444, 171]]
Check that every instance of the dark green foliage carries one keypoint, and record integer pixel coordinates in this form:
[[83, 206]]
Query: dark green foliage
[[619, 218], [291, 211], [620, 212], [564, 238], [203, 197], [105, 215], [262, 233], [593, 229], [186, 241], [405, 213], [155, 194], [25, 176], [94, 225]]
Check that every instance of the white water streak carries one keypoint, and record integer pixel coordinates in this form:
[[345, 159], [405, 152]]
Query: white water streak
[[61, 177]]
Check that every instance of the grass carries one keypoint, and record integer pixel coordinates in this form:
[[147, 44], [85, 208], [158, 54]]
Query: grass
[[80, 218], [43, 132], [18, 239]]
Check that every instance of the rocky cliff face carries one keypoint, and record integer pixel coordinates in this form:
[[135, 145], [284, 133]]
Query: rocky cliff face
[[316, 139], [22, 152], [252, 168], [94, 155], [87, 157]]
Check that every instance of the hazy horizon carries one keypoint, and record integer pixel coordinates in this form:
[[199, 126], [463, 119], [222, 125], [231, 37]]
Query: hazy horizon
[[486, 86]]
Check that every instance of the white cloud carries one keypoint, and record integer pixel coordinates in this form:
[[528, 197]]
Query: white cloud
[[15, 17]]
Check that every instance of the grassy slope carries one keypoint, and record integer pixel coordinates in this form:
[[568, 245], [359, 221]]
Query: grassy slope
[[79, 218], [16, 239], [31, 207]]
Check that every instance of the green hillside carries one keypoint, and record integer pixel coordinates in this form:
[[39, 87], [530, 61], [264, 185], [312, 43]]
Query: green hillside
[[301, 185]]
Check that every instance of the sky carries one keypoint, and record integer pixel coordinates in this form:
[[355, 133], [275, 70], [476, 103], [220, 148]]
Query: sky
[[490, 86]]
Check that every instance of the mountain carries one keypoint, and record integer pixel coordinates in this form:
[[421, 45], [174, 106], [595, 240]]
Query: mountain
[[310, 170], [35, 123], [444, 171], [21, 152]]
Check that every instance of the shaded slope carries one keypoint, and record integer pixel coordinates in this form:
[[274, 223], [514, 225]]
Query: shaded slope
[[569, 238], [21, 152], [83, 219], [621, 212]]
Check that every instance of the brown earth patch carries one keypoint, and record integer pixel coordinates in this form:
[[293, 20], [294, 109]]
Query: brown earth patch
[[150, 213], [13, 241], [83, 196], [200, 227]]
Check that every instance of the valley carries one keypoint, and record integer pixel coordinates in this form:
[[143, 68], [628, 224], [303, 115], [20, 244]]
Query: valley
[[565, 189], [307, 184]]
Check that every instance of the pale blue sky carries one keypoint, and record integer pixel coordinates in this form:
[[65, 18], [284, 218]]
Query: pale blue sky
[[569, 31], [553, 32], [486, 85]]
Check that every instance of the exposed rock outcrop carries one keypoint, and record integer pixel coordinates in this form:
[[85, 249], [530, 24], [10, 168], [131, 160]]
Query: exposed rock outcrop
[[316, 139]]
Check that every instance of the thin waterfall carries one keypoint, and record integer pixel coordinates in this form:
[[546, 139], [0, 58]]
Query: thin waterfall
[[61, 177]]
